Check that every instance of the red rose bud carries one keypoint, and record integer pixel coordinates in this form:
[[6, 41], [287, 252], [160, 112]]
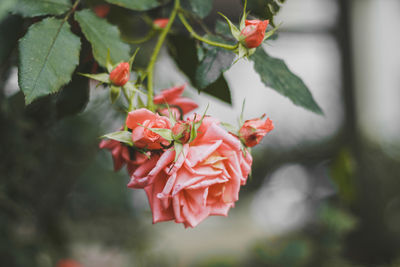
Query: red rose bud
[[254, 32], [101, 10], [120, 74], [181, 131], [161, 23], [253, 131]]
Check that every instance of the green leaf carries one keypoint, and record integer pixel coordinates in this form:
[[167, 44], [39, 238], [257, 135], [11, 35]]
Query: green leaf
[[101, 77], [275, 74], [120, 136], [200, 7], [265, 9], [215, 62], [10, 29], [184, 52], [234, 30], [103, 37], [73, 97], [48, 54], [33, 8], [140, 5], [5, 7], [219, 89]]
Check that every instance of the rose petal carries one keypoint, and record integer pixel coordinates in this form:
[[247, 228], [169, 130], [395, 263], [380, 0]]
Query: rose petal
[[168, 95], [201, 152], [214, 132], [138, 116], [160, 213]]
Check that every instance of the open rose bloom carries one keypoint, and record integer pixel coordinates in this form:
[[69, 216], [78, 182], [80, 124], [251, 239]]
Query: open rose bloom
[[205, 180], [200, 179]]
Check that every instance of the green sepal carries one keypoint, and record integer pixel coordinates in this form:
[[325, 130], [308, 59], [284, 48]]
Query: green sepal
[[133, 58], [109, 64], [242, 51], [196, 126], [178, 150], [234, 30], [171, 116], [243, 20], [115, 92], [271, 32], [241, 120], [164, 133], [131, 88], [120, 136], [101, 77], [230, 128]]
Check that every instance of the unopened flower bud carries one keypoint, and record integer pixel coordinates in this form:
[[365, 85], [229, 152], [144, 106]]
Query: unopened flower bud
[[120, 74], [253, 131], [181, 131], [254, 32], [161, 23]]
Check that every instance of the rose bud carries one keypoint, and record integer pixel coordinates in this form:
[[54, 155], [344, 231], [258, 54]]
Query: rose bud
[[181, 131], [253, 131], [254, 32], [161, 23], [120, 74], [102, 10], [141, 121]]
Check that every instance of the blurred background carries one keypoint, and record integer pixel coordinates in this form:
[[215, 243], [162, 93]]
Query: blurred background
[[325, 190]]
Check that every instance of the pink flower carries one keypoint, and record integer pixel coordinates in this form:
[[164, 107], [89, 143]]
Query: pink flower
[[119, 152], [120, 74], [205, 180], [254, 32], [139, 121], [253, 131], [161, 22], [121, 155], [178, 105]]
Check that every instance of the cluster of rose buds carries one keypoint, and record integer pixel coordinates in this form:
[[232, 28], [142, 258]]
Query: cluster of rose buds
[[189, 166]]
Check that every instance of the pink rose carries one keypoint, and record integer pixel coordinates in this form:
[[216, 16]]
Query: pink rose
[[205, 180], [120, 74], [254, 32], [139, 121], [254, 130], [119, 152], [121, 155], [178, 105]]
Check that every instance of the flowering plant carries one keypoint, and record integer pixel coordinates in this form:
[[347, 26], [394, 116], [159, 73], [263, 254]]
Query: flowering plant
[[190, 165]]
